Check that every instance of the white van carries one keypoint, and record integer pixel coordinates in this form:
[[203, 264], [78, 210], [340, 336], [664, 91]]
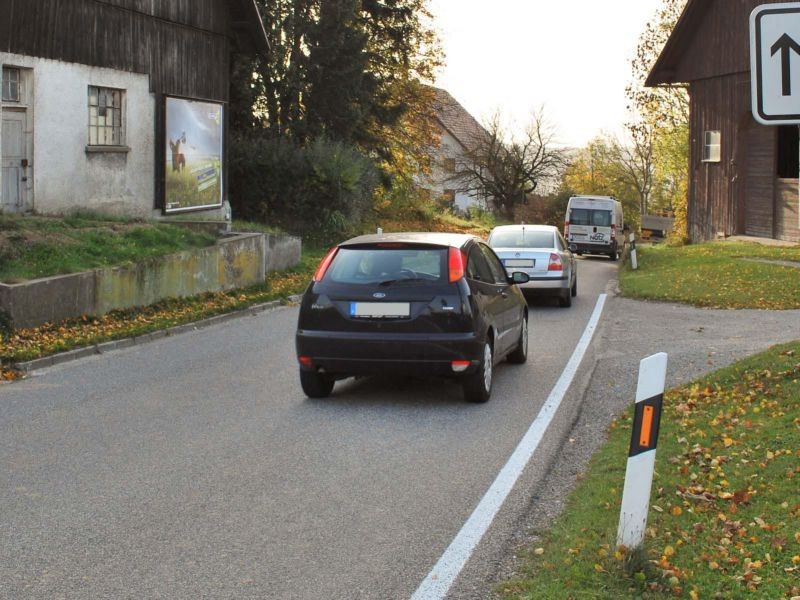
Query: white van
[[593, 225]]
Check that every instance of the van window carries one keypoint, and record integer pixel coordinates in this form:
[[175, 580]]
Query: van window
[[591, 217]]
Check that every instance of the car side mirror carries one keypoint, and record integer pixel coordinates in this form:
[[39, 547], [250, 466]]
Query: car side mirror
[[519, 277], [573, 247]]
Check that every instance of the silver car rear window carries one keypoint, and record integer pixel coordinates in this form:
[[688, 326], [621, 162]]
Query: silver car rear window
[[519, 238], [376, 265]]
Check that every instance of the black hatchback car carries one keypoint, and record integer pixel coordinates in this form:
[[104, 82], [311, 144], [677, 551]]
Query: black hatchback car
[[411, 304]]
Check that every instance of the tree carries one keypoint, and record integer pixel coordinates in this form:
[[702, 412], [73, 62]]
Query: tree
[[633, 162], [664, 113], [507, 169]]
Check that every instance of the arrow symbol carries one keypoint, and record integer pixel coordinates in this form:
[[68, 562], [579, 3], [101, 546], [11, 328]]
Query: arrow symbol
[[786, 44]]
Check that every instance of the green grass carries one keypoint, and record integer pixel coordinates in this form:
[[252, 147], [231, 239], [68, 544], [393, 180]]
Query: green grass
[[716, 275], [34, 247], [724, 516], [252, 226]]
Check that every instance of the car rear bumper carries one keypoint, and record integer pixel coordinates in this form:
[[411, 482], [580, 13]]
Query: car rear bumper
[[595, 248], [546, 285], [349, 353]]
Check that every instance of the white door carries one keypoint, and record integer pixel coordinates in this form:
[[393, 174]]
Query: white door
[[14, 152]]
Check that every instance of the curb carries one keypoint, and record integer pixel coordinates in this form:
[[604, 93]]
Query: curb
[[72, 355]]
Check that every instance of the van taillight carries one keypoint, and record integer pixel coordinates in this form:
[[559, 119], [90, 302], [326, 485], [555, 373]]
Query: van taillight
[[566, 229], [555, 263], [455, 263], [613, 232], [324, 264]]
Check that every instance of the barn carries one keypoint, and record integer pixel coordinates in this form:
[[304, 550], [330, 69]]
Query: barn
[[119, 106], [743, 176]]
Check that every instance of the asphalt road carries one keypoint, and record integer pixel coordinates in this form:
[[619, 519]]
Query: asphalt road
[[194, 467]]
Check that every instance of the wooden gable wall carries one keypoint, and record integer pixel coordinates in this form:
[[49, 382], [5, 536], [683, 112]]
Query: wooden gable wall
[[183, 45]]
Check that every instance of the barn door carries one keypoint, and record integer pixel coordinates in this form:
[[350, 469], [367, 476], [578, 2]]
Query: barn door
[[14, 161]]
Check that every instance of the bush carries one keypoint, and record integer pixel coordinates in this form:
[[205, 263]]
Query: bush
[[321, 190]]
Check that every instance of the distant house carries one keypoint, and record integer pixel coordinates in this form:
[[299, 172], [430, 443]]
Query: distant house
[[742, 175], [119, 105], [460, 131]]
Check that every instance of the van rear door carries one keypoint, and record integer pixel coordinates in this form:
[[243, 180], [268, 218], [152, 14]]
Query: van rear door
[[590, 222]]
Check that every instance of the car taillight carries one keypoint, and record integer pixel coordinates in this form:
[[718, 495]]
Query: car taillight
[[455, 263], [613, 232], [324, 264], [555, 263], [305, 361], [459, 366]]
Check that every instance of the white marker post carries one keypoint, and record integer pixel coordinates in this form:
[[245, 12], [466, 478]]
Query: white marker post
[[634, 262], [642, 453]]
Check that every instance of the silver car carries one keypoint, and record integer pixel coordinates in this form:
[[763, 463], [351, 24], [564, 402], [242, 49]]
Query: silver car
[[541, 252]]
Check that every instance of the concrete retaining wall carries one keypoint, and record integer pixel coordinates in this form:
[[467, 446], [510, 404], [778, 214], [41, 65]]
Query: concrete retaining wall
[[233, 262], [283, 252]]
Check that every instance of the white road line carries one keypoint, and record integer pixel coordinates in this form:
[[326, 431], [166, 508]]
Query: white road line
[[444, 573]]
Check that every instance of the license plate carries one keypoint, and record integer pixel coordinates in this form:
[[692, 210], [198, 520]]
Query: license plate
[[380, 310], [523, 263]]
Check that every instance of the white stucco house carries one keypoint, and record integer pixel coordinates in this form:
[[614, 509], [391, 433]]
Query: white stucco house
[[119, 106], [459, 132]]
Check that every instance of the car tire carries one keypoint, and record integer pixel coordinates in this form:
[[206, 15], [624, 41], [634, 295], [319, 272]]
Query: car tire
[[565, 300], [478, 386], [574, 290], [520, 355], [316, 385], [613, 256]]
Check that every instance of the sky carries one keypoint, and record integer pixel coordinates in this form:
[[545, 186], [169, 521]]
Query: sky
[[571, 57]]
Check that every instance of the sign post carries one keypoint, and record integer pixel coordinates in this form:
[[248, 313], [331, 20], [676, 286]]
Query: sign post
[[642, 453], [775, 65]]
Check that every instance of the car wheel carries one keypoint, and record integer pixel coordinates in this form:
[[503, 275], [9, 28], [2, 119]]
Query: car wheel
[[574, 290], [316, 385], [478, 386], [520, 355], [565, 300], [613, 256]]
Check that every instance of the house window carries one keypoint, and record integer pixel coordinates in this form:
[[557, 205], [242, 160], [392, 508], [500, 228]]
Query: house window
[[788, 152], [449, 165], [11, 84], [105, 117], [712, 141]]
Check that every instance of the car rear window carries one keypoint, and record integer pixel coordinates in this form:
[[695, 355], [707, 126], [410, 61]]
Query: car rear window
[[518, 238], [377, 265], [591, 217]]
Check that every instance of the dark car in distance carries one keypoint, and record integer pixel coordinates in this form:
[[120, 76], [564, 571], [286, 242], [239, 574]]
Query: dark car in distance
[[430, 304]]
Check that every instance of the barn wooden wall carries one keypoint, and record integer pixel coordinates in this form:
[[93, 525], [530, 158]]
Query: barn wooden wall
[[183, 45], [741, 193]]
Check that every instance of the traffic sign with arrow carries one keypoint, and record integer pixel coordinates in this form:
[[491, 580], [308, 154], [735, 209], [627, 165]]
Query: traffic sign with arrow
[[775, 72]]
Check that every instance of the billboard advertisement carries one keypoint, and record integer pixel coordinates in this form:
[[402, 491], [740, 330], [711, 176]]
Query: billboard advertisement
[[194, 142]]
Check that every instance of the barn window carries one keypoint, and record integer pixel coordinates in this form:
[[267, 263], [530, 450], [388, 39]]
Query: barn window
[[712, 143], [106, 123], [788, 152], [449, 165], [11, 84]]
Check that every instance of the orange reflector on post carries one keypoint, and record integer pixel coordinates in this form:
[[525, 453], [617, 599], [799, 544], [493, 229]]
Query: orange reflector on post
[[647, 426]]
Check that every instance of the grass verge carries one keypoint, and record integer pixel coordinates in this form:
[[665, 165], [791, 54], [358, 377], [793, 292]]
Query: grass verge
[[27, 344], [34, 247], [724, 515], [716, 275]]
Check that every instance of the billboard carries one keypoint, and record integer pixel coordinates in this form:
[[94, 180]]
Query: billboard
[[193, 149]]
